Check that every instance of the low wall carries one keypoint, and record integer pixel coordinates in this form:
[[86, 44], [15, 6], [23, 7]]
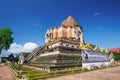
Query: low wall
[[95, 64]]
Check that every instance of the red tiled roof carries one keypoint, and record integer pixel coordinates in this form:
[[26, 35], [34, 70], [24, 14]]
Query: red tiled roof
[[114, 49]]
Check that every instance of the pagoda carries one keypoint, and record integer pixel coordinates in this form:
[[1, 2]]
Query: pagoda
[[65, 48], [61, 48]]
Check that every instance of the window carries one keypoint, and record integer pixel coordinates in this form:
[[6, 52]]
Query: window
[[72, 46], [47, 47], [50, 34], [61, 44], [77, 46], [67, 45], [79, 32]]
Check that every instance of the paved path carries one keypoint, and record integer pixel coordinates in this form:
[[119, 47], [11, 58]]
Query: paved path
[[5, 73], [104, 74]]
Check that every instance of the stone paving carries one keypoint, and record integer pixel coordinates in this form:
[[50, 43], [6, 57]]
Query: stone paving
[[5, 73], [104, 74]]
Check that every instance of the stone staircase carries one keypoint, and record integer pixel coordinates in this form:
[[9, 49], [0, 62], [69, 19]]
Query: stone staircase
[[34, 54]]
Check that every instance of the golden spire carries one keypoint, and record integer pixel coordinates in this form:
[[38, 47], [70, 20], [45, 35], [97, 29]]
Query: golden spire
[[87, 45], [96, 48], [81, 45], [106, 50], [102, 50]]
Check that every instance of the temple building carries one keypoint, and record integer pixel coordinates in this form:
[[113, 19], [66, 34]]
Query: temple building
[[69, 29], [69, 34], [62, 48]]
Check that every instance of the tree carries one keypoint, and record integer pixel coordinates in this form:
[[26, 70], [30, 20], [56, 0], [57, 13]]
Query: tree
[[5, 39]]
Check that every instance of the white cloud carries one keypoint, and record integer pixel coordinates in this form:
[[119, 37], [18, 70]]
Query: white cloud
[[96, 14], [27, 47], [15, 48]]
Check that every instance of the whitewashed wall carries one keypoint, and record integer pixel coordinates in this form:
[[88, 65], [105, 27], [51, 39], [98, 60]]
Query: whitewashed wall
[[89, 66]]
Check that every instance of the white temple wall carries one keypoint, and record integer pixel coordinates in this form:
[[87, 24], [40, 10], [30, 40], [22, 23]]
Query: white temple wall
[[89, 66], [50, 53], [70, 45], [54, 45], [64, 44]]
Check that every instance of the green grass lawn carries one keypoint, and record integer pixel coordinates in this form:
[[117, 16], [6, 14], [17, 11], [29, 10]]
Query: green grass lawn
[[34, 74]]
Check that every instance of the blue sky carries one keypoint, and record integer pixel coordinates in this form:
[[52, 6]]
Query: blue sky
[[29, 19]]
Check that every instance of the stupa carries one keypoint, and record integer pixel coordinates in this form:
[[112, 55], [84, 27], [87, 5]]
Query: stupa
[[69, 30], [65, 48], [61, 48]]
